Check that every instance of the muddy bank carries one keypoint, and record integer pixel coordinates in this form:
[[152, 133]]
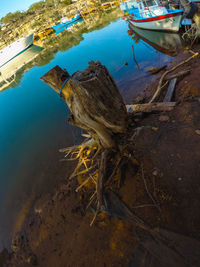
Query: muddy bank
[[166, 167]]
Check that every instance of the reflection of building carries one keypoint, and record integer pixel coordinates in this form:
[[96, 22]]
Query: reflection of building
[[8, 71]]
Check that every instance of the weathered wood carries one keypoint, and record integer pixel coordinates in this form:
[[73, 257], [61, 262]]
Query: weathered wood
[[159, 88], [94, 101], [157, 70], [170, 90], [178, 75], [151, 107]]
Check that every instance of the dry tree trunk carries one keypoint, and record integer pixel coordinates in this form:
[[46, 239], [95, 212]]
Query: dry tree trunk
[[94, 101], [96, 106]]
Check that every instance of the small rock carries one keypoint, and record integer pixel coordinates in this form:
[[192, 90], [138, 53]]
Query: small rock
[[126, 63], [197, 132], [164, 118], [137, 120], [155, 172]]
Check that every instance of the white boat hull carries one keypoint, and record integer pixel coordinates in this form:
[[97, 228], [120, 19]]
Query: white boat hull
[[14, 49], [168, 22]]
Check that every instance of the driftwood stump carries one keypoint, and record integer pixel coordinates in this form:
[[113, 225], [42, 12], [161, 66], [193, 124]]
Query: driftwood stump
[[96, 106], [94, 101]]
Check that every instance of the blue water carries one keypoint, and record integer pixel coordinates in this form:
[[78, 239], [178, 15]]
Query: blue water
[[33, 118]]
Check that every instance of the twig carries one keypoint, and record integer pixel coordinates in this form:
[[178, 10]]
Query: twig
[[92, 198], [94, 218], [83, 183], [157, 70], [145, 205], [149, 194], [138, 66], [179, 74], [100, 179], [114, 171]]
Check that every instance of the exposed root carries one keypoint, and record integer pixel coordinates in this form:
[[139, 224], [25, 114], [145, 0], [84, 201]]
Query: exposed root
[[149, 194]]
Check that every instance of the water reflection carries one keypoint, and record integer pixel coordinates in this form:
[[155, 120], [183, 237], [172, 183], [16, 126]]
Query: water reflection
[[67, 27], [9, 70], [167, 43]]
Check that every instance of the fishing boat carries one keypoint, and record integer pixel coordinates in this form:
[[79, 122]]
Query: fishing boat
[[14, 49], [65, 21], [150, 15]]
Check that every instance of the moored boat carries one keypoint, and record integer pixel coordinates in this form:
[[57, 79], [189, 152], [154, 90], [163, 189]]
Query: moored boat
[[151, 16], [14, 49]]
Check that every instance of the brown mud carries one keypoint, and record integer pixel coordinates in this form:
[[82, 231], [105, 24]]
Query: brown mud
[[167, 169]]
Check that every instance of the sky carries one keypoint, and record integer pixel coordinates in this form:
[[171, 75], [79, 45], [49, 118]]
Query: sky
[[13, 5]]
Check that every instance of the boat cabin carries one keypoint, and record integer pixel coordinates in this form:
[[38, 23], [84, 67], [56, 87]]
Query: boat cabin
[[150, 8]]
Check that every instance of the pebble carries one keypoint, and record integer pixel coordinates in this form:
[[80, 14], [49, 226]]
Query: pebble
[[164, 118], [197, 132], [155, 172]]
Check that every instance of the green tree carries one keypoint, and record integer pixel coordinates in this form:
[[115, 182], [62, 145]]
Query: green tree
[[37, 6], [11, 16], [66, 2]]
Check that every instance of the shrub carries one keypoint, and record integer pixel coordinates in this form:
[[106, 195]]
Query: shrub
[[10, 17], [37, 6], [66, 2]]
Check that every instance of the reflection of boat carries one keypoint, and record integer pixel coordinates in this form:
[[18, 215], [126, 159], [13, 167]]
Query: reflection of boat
[[165, 42], [150, 15], [66, 19], [68, 27], [42, 34], [128, 6], [8, 70], [17, 47], [66, 22]]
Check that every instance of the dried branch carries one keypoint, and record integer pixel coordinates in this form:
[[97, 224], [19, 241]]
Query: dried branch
[[157, 93]]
